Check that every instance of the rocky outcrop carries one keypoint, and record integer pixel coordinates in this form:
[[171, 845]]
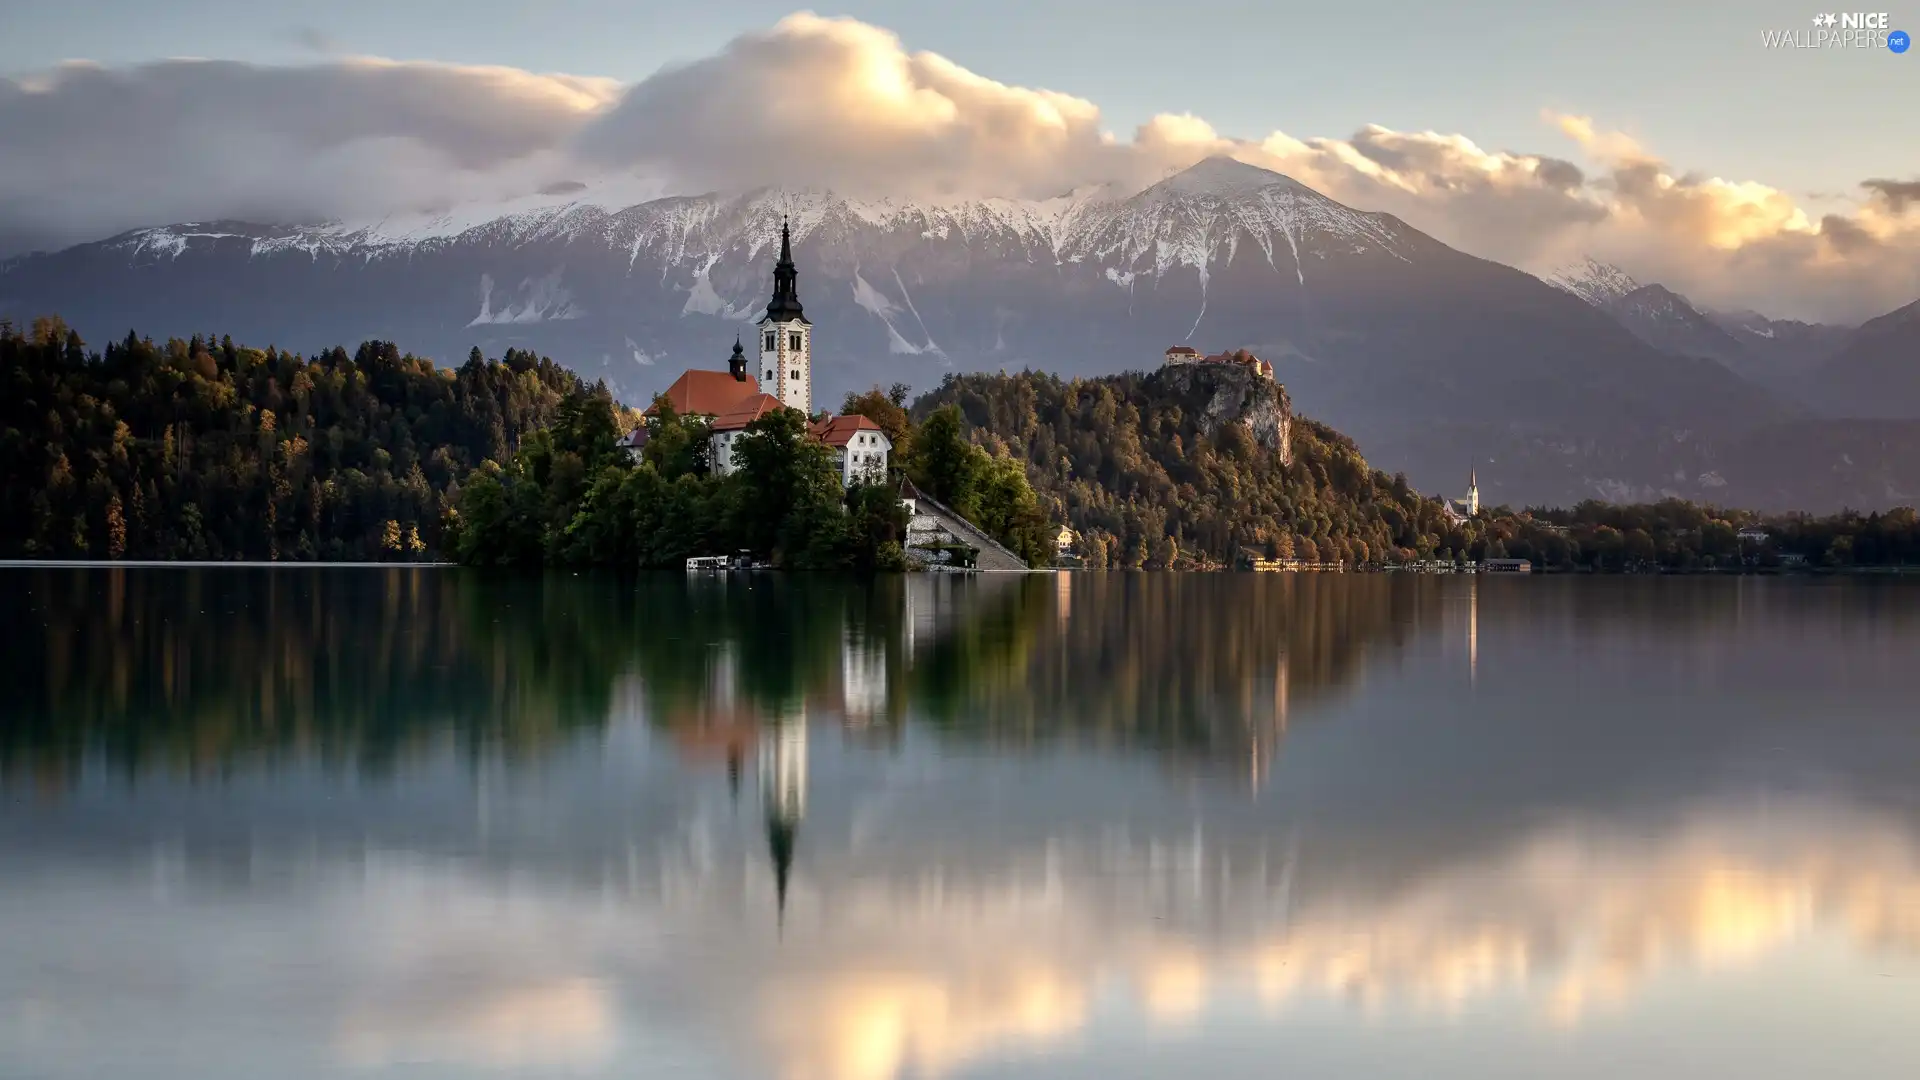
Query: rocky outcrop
[[1219, 394]]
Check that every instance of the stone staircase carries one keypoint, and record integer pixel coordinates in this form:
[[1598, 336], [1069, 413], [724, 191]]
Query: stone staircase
[[993, 556]]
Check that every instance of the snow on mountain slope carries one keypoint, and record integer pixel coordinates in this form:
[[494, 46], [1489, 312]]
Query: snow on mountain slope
[[1375, 327], [1593, 281], [1187, 220]]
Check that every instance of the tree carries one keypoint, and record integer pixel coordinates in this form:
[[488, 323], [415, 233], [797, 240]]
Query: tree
[[787, 492], [943, 463], [882, 408]]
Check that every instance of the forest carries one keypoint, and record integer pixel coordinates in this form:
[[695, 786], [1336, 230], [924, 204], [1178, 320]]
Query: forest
[[1129, 465], [201, 449]]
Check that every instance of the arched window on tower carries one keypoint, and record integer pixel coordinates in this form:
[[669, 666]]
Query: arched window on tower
[[793, 341], [771, 340]]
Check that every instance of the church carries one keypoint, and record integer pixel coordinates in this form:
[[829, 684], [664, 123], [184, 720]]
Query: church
[[1462, 510], [733, 399]]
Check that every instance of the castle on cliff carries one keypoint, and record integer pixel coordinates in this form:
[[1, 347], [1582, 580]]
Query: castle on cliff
[[1186, 354]]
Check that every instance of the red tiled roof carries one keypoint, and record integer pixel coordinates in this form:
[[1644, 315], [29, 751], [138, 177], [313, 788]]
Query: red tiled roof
[[840, 430], [746, 412], [708, 393], [1183, 350]]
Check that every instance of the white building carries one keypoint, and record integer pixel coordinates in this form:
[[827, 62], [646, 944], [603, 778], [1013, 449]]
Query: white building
[[1183, 354], [732, 400], [860, 448], [786, 337], [727, 428]]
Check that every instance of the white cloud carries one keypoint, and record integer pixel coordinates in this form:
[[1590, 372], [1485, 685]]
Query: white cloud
[[91, 151], [838, 103]]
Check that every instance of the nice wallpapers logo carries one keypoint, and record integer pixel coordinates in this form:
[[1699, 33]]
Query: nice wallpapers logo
[[1845, 30]]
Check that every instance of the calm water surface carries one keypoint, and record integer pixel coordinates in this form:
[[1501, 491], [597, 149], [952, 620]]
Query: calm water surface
[[362, 823]]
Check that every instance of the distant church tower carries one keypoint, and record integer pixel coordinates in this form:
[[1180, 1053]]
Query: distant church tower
[[786, 337], [1473, 493]]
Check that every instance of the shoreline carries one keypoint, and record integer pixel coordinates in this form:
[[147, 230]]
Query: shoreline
[[198, 564], [202, 564]]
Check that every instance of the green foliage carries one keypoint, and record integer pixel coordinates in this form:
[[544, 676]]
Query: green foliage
[[991, 491], [783, 502], [1680, 536], [202, 450], [1128, 461]]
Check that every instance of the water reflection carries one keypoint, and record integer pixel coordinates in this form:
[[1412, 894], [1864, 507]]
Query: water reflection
[[200, 671], [1080, 826]]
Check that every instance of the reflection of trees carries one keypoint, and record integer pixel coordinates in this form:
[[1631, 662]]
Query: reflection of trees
[[1192, 666], [196, 669], [199, 669]]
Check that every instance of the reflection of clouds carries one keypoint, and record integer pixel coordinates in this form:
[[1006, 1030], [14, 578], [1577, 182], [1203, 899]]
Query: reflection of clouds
[[1584, 915], [876, 1025], [396, 962], [1575, 919], [563, 1022]]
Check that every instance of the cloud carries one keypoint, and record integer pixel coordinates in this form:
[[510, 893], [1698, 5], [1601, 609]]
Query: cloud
[[1896, 194], [837, 103], [91, 150], [1731, 243]]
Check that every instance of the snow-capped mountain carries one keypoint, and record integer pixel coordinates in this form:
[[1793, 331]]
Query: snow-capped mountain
[[1432, 358], [1778, 354], [1594, 281], [1666, 320]]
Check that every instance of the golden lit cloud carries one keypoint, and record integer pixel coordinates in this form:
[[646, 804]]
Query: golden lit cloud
[[842, 104]]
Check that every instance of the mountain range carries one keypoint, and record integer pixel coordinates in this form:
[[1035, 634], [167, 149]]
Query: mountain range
[[1593, 385]]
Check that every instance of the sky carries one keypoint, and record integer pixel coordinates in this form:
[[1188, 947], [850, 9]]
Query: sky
[[1794, 132]]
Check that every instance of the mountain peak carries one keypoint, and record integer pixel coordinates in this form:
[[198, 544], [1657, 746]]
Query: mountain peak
[[1222, 175], [1594, 281]]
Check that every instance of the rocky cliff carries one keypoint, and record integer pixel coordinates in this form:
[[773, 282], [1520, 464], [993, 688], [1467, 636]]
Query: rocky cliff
[[1230, 394]]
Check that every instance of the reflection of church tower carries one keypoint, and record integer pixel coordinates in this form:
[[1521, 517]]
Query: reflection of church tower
[[1473, 631], [783, 788], [863, 679]]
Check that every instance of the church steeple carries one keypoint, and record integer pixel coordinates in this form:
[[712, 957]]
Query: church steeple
[[785, 305], [1473, 491], [737, 363], [786, 338]]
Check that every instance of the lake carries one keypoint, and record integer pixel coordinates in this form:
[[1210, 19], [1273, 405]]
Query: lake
[[318, 823]]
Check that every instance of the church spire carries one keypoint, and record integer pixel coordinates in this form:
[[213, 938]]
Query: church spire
[[785, 305], [737, 363]]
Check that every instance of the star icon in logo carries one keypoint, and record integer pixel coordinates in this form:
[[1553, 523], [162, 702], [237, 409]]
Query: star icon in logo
[[1830, 20], [1819, 20]]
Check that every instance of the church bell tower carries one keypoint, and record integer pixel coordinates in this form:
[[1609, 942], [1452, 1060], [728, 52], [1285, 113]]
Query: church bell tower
[[1473, 492], [786, 337]]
